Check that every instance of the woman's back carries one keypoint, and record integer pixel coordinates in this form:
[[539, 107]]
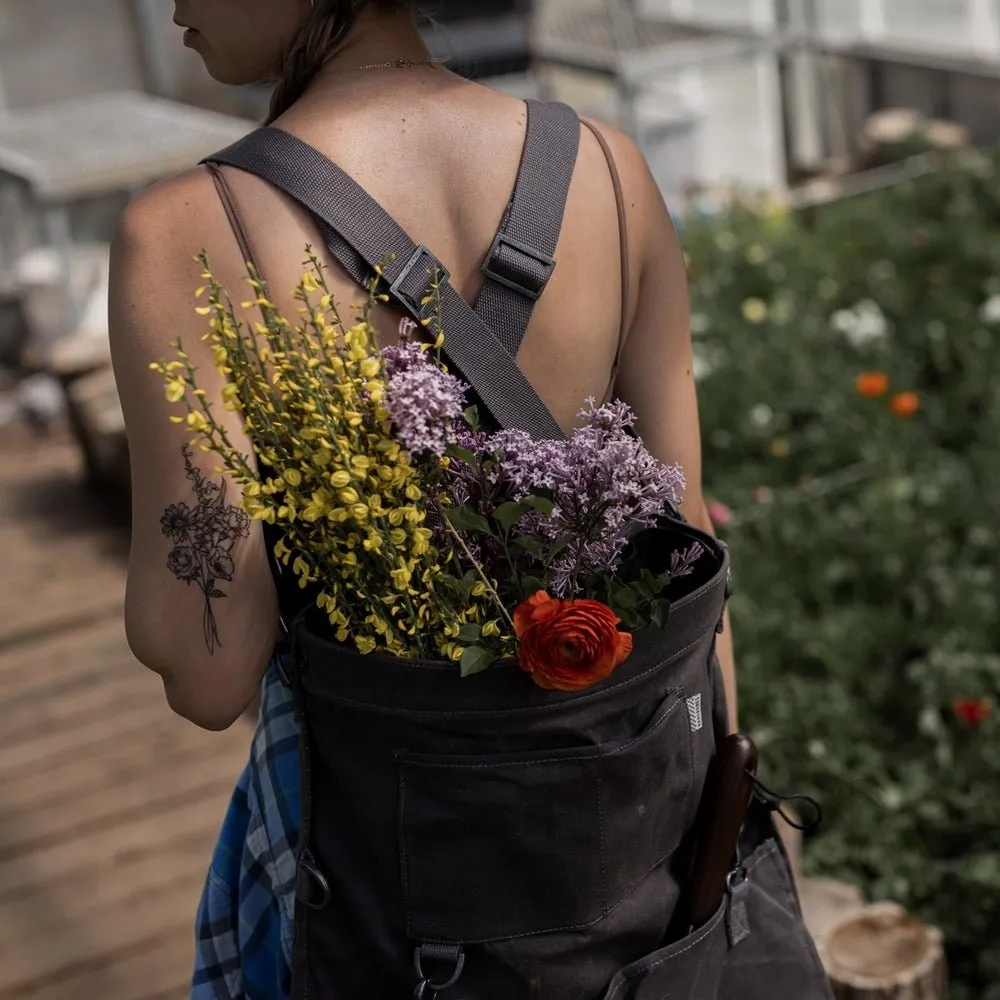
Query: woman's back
[[441, 155]]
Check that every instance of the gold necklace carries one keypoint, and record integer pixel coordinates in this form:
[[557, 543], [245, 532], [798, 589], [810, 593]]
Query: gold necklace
[[400, 64]]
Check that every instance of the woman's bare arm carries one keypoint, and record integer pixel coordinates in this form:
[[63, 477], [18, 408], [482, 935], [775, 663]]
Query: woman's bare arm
[[200, 605], [656, 375]]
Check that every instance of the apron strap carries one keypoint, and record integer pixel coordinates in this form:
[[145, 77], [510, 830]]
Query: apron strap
[[360, 234], [521, 260]]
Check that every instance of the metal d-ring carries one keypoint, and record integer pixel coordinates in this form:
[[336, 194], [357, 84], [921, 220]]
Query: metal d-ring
[[440, 953], [317, 878]]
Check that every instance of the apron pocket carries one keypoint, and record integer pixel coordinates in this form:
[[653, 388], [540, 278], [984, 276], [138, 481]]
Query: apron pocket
[[777, 957], [689, 969], [495, 847]]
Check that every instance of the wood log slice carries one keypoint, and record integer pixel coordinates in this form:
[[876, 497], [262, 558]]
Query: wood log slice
[[883, 953]]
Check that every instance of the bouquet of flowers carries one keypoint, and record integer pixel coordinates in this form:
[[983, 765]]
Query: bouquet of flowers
[[422, 534]]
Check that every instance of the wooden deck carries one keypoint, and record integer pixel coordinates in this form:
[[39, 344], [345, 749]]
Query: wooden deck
[[109, 805]]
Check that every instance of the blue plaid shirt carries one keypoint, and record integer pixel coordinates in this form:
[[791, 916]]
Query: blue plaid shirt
[[245, 918]]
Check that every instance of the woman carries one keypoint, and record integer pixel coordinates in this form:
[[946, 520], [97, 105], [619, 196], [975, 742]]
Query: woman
[[441, 154]]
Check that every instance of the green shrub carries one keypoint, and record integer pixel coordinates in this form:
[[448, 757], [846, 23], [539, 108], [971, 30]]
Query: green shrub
[[865, 543]]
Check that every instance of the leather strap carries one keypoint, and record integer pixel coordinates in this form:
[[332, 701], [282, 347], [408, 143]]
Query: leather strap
[[616, 183], [362, 236]]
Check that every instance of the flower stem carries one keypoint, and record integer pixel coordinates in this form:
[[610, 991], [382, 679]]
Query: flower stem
[[479, 569]]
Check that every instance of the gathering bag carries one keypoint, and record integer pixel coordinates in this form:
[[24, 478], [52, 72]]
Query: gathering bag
[[481, 838]]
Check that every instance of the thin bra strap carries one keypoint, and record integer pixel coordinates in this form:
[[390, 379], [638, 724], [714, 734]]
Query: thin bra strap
[[616, 183], [233, 215], [246, 249]]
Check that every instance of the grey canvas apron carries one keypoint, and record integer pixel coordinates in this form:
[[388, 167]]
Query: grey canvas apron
[[479, 838]]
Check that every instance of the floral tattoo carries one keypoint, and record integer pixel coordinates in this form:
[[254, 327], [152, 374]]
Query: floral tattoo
[[203, 538]]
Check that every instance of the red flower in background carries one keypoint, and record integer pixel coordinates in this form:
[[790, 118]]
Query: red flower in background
[[905, 404], [972, 712], [871, 385], [720, 514]]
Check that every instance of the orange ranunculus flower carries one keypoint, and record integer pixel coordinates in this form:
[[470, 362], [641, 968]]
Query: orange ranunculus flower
[[569, 645], [905, 404], [871, 385]]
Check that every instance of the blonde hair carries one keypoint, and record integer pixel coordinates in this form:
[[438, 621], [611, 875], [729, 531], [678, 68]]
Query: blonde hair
[[323, 33]]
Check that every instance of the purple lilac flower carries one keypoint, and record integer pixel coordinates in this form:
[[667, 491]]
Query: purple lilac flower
[[402, 357], [424, 402], [602, 480], [682, 562]]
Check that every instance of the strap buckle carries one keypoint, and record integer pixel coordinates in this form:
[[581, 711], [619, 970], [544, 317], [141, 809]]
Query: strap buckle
[[413, 300], [526, 269]]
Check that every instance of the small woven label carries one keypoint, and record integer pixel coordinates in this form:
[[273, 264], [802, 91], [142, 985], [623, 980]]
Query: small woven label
[[695, 716]]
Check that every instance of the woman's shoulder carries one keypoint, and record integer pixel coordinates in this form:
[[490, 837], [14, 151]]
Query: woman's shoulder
[[171, 213]]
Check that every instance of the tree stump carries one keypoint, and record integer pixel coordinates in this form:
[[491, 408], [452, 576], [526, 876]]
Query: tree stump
[[882, 953], [827, 903]]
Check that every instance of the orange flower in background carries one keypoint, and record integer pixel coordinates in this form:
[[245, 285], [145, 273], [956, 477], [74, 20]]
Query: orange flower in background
[[972, 712], [904, 404], [872, 385], [569, 645]]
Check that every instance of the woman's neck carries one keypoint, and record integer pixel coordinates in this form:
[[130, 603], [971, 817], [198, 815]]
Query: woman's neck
[[375, 41]]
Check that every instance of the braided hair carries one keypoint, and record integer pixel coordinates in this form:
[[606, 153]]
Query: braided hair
[[323, 33]]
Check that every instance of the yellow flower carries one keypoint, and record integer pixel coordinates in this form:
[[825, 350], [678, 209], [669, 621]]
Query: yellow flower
[[340, 478], [175, 390], [491, 629], [364, 643], [755, 311]]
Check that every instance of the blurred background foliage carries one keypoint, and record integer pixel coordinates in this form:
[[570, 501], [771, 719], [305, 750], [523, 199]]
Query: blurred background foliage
[[849, 381]]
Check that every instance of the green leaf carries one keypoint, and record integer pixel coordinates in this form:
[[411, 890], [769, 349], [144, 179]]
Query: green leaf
[[460, 454], [472, 417], [624, 598], [508, 514], [466, 519], [542, 504], [659, 613], [530, 545], [475, 660], [647, 585], [531, 585], [470, 633], [558, 546]]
